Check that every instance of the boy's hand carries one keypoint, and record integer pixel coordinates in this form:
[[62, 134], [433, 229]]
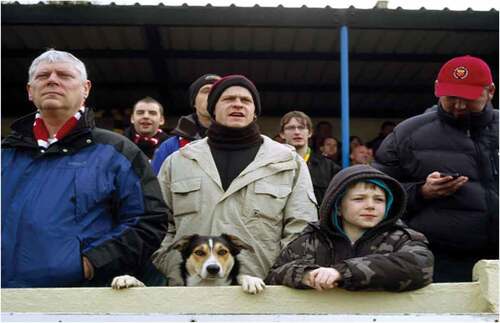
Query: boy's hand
[[322, 278]]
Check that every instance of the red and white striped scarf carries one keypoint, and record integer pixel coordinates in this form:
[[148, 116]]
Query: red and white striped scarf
[[42, 134], [152, 140]]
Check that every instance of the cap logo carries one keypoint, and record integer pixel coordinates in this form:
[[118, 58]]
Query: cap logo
[[460, 73]]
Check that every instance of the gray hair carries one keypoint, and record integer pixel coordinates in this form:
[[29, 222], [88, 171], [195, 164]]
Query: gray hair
[[53, 56]]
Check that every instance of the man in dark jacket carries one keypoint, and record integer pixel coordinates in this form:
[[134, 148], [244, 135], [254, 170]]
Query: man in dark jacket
[[359, 243], [296, 130], [447, 159], [146, 119], [190, 127], [80, 204]]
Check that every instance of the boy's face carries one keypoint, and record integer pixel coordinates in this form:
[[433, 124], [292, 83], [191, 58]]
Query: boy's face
[[363, 207]]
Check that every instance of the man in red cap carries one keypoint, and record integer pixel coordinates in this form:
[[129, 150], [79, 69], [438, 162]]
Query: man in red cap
[[448, 161]]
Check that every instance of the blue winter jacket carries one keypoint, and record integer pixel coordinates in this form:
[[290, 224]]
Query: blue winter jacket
[[165, 149], [91, 194], [187, 128]]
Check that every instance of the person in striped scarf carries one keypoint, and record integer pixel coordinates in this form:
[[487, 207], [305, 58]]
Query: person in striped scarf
[[146, 119], [80, 205]]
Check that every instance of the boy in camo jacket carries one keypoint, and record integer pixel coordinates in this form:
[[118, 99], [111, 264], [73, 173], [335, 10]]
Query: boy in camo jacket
[[359, 243]]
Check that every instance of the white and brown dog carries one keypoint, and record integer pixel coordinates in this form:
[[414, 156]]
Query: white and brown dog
[[207, 261]]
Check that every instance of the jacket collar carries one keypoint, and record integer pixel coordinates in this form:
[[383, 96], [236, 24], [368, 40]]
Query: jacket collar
[[189, 127], [201, 151], [270, 153], [22, 133], [477, 120]]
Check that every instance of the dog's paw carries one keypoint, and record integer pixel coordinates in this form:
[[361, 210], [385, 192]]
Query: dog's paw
[[126, 281], [251, 284]]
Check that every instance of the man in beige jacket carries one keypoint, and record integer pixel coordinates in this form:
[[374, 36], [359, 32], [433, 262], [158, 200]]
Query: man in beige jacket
[[235, 181]]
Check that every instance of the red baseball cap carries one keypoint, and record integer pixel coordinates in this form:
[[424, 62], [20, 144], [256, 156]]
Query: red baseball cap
[[463, 77]]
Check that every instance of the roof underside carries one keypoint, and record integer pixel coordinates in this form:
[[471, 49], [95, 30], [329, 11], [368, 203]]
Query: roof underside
[[292, 54]]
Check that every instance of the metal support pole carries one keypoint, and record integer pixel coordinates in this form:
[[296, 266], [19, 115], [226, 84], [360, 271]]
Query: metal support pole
[[344, 93]]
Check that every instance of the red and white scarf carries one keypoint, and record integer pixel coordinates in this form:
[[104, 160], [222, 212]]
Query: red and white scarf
[[42, 134], [152, 140]]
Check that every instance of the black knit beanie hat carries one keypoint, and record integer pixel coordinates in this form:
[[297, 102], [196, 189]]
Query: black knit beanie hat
[[198, 84], [227, 81]]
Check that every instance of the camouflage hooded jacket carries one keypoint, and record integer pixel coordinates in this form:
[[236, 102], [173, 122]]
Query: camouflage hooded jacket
[[389, 256]]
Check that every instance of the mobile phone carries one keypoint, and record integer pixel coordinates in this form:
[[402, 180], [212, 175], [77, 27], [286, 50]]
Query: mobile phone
[[454, 175]]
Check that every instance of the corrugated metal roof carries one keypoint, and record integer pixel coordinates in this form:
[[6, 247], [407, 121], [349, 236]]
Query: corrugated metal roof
[[478, 5], [291, 54]]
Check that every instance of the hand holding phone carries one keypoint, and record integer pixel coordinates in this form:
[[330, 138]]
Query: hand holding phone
[[442, 184]]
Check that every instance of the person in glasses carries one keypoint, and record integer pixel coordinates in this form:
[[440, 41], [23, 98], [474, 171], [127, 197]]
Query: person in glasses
[[296, 130]]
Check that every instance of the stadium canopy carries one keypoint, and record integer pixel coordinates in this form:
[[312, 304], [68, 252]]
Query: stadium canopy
[[292, 54]]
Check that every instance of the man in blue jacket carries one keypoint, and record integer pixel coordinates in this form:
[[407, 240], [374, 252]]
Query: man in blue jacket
[[80, 204]]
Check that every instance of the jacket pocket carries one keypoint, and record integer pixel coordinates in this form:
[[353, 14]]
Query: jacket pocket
[[186, 196], [271, 189], [271, 198], [267, 208], [51, 263], [93, 190]]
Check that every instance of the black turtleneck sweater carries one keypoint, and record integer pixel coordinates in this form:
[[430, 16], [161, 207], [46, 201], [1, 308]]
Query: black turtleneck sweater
[[233, 149]]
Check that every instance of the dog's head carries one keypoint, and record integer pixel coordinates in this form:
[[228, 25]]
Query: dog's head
[[210, 257]]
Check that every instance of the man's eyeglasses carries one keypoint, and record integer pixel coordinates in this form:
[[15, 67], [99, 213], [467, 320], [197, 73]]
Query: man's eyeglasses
[[293, 128]]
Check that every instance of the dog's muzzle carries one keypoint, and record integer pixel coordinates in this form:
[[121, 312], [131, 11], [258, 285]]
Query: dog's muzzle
[[213, 269]]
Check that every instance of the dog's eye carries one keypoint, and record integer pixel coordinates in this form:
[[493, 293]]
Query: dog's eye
[[222, 252], [199, 253]]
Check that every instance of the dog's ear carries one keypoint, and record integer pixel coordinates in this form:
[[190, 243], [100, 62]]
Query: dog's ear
[[237, 243], [182, 243]]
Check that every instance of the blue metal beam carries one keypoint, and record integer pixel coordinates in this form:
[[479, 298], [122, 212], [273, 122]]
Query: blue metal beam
[[344, 93]]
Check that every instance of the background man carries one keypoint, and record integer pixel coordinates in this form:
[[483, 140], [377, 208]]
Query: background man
[[80, 205], [190, 127], [330, 148], [458, 213], [235, 181], [147, 118], [360, 155], [296, 129], [385, 129], [324, 129]]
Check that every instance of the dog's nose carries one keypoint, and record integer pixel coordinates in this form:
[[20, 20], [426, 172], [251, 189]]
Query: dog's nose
[[213, 269]]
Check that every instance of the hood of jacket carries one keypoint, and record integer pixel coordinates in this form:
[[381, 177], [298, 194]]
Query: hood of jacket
[[189, 127], [357, 173]]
